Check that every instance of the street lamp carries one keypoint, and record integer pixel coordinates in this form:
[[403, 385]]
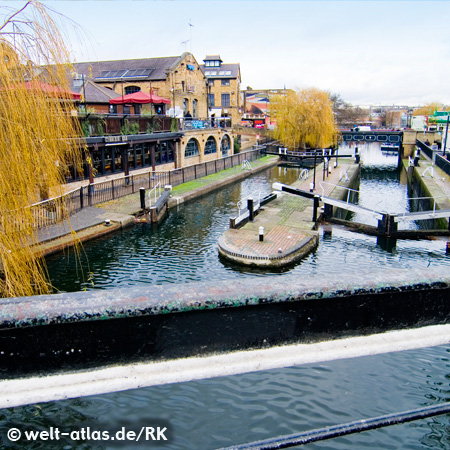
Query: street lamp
[[446, 132]]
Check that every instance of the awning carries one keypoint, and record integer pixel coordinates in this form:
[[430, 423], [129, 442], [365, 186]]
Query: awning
[[139, 97], [48, 89]]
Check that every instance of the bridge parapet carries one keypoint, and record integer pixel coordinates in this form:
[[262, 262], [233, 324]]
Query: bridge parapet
[[386, 136]]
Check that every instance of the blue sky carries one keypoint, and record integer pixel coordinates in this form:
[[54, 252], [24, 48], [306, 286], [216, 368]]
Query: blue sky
[[370, 52]]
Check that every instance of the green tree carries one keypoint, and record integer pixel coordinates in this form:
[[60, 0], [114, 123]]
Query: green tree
[[304, 119]]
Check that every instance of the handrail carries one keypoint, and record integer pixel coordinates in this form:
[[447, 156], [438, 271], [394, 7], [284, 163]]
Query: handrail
[[158, 185], [246, 165], [337, 185], [345, 429], [305, 173], [431, 169]]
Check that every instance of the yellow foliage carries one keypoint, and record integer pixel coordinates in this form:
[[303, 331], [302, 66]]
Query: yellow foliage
[[429, 109], [36, 140], [304, 119]]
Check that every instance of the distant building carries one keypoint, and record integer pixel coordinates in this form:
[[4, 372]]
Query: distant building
[[256, 106], [223, 88], [176, 78]]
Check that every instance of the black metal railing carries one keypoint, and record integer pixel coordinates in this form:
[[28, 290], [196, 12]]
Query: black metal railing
[[52, 211]]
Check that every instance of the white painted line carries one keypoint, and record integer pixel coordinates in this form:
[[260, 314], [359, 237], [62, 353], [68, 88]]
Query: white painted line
[[131, 376]]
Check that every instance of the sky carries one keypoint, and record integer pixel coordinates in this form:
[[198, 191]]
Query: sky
[[369, 52]]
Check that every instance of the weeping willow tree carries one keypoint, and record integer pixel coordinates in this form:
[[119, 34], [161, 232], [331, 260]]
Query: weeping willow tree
[[430, 108], [304, 119], [36, 138]]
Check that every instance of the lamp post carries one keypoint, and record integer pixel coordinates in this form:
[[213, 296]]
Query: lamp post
[[446, 132]]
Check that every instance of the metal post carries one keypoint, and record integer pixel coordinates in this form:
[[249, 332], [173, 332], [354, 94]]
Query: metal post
[[251, 214], [316, 207], [142, 196], [82, 198], [90, 189], [314, 178], [446, 132]]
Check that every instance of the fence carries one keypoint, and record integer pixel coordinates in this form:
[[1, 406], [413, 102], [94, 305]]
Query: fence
[[443, 163], [55, 210]]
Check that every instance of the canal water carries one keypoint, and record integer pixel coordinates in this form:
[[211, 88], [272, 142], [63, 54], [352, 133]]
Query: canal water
[[209, 414]]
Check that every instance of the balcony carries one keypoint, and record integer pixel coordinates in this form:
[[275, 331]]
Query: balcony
[[116, 124], [196, 123]]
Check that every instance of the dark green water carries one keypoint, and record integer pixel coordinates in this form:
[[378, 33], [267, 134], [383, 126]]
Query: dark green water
[[209, 414]]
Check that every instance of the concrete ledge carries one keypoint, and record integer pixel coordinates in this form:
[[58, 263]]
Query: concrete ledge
[[77, 331], [294, 253], [132, 376]]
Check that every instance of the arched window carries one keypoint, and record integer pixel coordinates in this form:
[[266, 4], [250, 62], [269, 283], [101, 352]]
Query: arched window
[[191, 148], [132, 89], [210, 146], [225, 145]]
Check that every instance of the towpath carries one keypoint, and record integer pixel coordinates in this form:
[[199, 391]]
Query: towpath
[[89, 223]]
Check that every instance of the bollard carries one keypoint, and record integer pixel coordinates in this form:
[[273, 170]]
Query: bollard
[[416, 161], [90, 194], [251, 213], [311, 187], [107, 222], [142, 195], [261, 234]]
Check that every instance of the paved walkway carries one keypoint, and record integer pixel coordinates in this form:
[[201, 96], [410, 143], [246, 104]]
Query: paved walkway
[[90, 221]]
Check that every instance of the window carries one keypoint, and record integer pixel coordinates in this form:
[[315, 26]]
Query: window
[[225, 145], [194, 108], [132, 89], [211, 100], [113, 109], [126, 109], [185, 105], [225, 82], [225, 100], [163, 153], [210, 146], [191, 148]]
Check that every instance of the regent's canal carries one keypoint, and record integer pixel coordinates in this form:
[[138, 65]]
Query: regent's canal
[[208, 414]]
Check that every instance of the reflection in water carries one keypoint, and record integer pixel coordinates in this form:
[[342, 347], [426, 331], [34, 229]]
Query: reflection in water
[[213, 413], [184, 247]]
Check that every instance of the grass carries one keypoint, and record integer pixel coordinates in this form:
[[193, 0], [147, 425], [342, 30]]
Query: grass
[[213, 178]]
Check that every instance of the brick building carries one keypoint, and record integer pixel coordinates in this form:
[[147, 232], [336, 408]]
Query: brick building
[[176, 78], [223, 88]]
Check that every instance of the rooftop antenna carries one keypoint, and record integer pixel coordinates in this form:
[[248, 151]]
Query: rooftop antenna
[[185, 42], [190, 31]]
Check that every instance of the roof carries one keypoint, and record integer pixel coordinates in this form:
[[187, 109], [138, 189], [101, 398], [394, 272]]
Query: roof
[[212, 58], [95, 93], [129, 69], [224, 71]]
